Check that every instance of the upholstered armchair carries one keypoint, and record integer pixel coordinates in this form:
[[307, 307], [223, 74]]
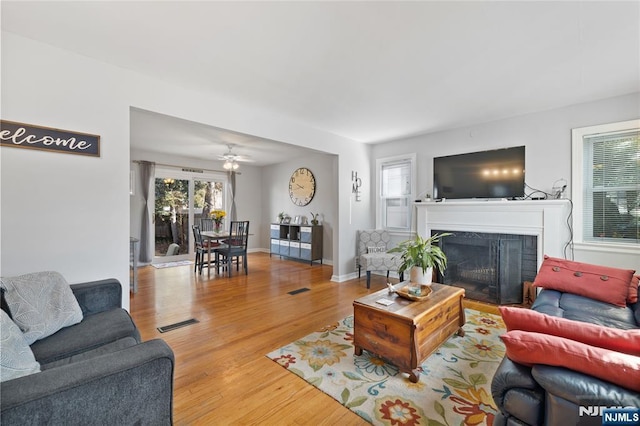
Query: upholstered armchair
[[372, 253]]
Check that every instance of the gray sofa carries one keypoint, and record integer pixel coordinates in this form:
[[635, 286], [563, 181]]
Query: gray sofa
[[94, 372]]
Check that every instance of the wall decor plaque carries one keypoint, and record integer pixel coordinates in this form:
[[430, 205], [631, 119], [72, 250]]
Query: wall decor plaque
[[21, 135], [356, 184]]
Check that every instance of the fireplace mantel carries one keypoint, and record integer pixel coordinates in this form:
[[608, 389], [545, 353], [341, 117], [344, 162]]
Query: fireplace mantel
[[546, 219]]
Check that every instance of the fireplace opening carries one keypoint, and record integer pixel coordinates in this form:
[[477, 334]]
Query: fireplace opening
[[490, 267]]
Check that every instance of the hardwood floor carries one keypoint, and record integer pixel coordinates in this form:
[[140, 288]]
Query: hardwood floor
[[222, 375]]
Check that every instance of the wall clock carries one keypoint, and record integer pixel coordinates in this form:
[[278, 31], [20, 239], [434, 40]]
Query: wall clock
[[302, 186]]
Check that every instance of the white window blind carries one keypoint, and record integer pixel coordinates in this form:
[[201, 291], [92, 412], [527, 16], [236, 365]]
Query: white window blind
[[396, 179], [396, 184], [611, 177]]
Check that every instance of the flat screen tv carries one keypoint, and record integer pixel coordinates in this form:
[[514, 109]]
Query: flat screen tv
[[497, 173]]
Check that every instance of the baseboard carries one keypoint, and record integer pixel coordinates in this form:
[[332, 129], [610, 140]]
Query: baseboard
[[343, 278]]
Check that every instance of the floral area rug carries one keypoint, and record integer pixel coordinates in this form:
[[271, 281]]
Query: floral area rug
[[454, 386]]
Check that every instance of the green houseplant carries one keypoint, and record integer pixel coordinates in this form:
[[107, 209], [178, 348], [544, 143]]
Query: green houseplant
[[420, 256]]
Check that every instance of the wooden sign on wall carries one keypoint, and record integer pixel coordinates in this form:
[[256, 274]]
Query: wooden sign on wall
[[21, 135]]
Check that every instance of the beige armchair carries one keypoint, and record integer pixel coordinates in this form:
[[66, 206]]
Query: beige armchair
[[372, 253]]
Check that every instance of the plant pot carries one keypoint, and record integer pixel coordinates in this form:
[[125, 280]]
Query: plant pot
[[416, 276]]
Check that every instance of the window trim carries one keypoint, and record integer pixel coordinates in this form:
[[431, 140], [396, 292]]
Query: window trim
[[577, 178], [412, 158]]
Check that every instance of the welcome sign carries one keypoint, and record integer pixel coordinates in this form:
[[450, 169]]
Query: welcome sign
[[20, 135]]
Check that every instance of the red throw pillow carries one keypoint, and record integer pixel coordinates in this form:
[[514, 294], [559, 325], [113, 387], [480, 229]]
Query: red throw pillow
[[626, 341], [610, 285], [632, 297], [534, 348]]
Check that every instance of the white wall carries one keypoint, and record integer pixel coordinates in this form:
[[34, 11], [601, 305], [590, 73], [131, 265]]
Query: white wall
[[547, 138], [275, 186], [72, 214], [64, 212]]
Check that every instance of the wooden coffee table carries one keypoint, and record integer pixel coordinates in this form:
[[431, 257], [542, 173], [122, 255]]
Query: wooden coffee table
[[407, 332]]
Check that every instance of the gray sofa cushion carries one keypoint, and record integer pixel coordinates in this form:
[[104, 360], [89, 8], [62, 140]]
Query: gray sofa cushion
[[100, 350], [16, 357], [41, 303], [133, 386], [94, 331]]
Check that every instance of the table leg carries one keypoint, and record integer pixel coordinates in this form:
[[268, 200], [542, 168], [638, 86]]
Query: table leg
[[357, 350], [414, 376], [136, 253], [209, 259]]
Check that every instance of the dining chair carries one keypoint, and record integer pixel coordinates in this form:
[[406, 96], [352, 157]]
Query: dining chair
[[206, 224], [235, 247], [202, 248]]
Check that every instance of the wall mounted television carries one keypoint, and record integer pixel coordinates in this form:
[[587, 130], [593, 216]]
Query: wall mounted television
[[498, 173]]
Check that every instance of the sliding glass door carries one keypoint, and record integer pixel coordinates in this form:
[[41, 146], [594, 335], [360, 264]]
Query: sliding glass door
[[181, 200], [209, 196]]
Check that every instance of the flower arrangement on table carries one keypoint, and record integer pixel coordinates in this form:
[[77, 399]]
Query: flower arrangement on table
[[217, 216]]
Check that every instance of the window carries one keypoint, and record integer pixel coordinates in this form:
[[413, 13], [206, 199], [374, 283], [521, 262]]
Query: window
[[396, 189], [606, 183]]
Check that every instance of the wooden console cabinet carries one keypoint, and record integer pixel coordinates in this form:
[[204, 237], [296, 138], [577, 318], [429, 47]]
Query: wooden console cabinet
[[302, 242]]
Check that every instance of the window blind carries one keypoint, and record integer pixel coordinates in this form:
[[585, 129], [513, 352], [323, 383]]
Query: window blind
[[396, 179], [395, 193], [611, 167]]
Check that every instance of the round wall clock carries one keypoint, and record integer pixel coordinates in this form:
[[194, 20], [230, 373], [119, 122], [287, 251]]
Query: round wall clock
[[302, 186]]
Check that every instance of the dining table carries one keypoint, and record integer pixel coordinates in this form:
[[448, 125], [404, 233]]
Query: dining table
[[211, 236]]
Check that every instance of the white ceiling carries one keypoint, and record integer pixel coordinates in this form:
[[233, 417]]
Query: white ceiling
[[164, 134], [368, 71]]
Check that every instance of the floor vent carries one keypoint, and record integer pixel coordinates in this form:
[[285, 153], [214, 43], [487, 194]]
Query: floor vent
[[300, 290], [177, 325]]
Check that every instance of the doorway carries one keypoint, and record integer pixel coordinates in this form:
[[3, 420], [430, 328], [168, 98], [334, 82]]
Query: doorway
[[181, 200]]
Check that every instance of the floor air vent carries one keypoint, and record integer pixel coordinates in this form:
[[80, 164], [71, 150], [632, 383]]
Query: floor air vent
[[177, 325], [300, 290]]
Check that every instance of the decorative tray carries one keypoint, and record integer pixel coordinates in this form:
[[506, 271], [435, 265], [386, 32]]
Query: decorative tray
[[425, 291]]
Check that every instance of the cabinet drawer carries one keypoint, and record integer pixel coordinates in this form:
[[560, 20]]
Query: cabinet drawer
[[275, 231], [305, 251], [294, 249], [284, 247], [305, 234], [275, 246]]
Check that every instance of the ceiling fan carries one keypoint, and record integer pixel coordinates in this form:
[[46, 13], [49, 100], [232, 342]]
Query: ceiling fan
[[231, 159]]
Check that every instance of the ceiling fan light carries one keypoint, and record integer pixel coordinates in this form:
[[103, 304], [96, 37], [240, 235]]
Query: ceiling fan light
[[235, 165], [227, 165]]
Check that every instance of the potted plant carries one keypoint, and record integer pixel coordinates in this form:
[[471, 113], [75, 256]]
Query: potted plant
[[314, 220], [420, 256]]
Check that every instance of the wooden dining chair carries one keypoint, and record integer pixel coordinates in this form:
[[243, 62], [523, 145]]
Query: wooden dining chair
[[206, 224], [202, 248], [234, 247]]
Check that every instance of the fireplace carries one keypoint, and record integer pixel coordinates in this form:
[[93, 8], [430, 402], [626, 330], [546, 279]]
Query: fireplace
[[541, 224], [491, 267]]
